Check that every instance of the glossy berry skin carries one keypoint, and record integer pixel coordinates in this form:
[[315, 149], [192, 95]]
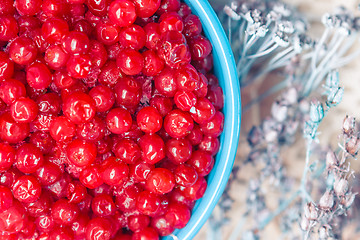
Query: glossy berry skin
[[171, 21], [103, 205], [7, 156], [62, 129], [43, 141], [128, 92], [110, 74], [200, 47], [9, 28], [103, 96], [114, 172], [147, 203], [98, 7], [79, 107], [11, 131], [192, 26], [160, 181], [149, 120], [7, 7], [92, 131], [38, 76], [81, 153], [11, 89], [146, 8], [126, 200], [138, 222], [153, 63], [62, 80], [196, 191], [132, 36], [140, 171], [78, 66], [152, 148], [165, 82], [203, 111], [168, 6], [178, 123], [185, 175], [147, 233], [163, 104], [178, 214], [201, 162], [185, 100], [6, 66], [90, 177], [214, 126], [187, 78], [75, 42], [6, 198], [210, 145], [153, 35], [127, 151], [64, 212], [216, 97], [107, 33], [56, 57], [24, 110], [48, 173], [79, 226], [122, 13], [75, 192], [130, 61], [54, 30], [98, 54], [28, 7], [26, 189], [23, 50], [17, 216], [98, 229], [118, 120], [28, 158], [178, 150], [49, 103]]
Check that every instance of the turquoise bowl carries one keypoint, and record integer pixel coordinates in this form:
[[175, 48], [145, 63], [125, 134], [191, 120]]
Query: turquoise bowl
[[225, 70]]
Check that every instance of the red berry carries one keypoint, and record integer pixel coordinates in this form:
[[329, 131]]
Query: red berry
[[192, 26], [114, 172], [132, 36], [214, 126], [11, 131], [196, 191], [48, 173], [147, 203], [153, 63], [160, 181], [79, 66], [201, 162], [178, 150], [79, 107], [22, 51], [127, 151], [56, 57], [6, 198], [130, 61], [9, 28], [62, 129], [146, 8], [147, 233], [128, 92], [7, 156], [152, 148], [140, 171], [24, 110], [149, 120], [29, 158], [53, 30], [75, 42], [203, 111], [103, 205], [64, 212], [118, 120], [98, 7], [98, 229], [81, 153], [178, 214], [153, 35], [6, 66], [75, 192], [38, 76], [171, 21], [26, 189], [178, 123], [122, 13], [90, 177], [165, 82], [185, 100], [162, 225], [107, 33]]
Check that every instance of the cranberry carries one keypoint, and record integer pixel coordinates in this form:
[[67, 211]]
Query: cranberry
[[178, 123], [9, 28], [90, 177], [11, 89], [55, 57], [128, 92], [11, 131], [147, 233], [28, 158], [204, 65], [24, 110], [26, 189], [178, 150], [39, 207], [6, 66], [216, 97], [62, 80], [62, 232], [127, 151], [130, 61], [174, 49], [79, 107], [187, 78], [162, 225], [140, 171], [103, 205], [94, 130], [153, 35], [200, 47], [98, 7], [147, 202], [214, 126], [192, 26], [98, 229], [196, 191], [44, 223], [152, 148], [210, 145], [7, 156], [79, 226], [113, 172], [54, 30], [118, 120], [17, 222], [78, 66], [132, 36], [126, 200], [165, 82], [185, 100], [201, 161], [160, 181], [6, 198], [122, 12], [153, 63], [163, 104], [28, 24], [75, 192], [107, 33], [203, 111], [7, 7], [98, 53], [81, 153], [22, 50], [201, 91], [149, 120], [171, 21], [49, 103], [64, 212], [38, 76], [62, 129], [179, 214], [75, 42], [77, 10]]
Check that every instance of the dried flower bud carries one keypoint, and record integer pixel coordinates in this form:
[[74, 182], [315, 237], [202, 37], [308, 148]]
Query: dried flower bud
[[279, 111], [304, 223], [326, 201], [335, 96], [341, 186], [324, 232], [353, 145], [348, 200], [349, 125], [290, 96], [331, 160], [255, 136], [316, 112], [310, 211]]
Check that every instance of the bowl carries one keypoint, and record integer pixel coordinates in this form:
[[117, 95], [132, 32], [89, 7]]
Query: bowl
[[225, 70]]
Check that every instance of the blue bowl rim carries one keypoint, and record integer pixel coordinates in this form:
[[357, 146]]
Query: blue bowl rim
[[225, 66]]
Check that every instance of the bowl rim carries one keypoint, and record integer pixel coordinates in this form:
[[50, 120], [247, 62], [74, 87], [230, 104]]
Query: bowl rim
[[225, 66]]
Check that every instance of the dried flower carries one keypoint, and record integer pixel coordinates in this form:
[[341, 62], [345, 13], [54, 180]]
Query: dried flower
[[326, 201]]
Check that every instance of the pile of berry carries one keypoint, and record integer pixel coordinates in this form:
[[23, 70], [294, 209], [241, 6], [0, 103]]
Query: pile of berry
[[109, 118]]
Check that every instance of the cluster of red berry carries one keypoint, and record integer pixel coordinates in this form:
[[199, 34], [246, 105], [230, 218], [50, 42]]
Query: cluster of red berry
[[109, 118]]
